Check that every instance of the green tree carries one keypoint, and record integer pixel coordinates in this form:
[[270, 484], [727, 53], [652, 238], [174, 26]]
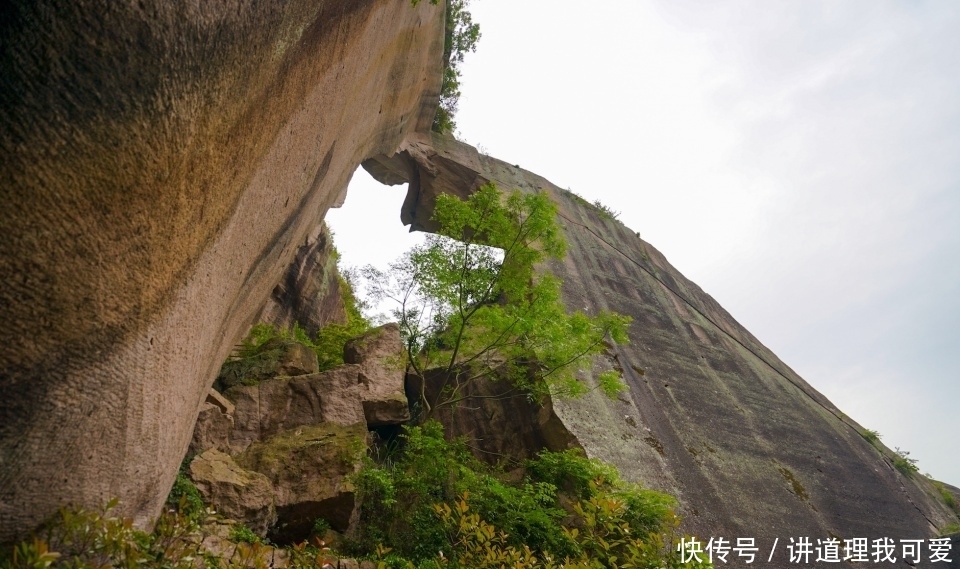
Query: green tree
[[471, 302]]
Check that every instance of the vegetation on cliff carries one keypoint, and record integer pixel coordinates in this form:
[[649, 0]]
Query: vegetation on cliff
[[471, 303], [257, 356], [434, 505], [430, 505], [461, 36]]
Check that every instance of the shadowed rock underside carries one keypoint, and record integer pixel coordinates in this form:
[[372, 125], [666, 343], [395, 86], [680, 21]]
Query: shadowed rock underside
[[162, 163]]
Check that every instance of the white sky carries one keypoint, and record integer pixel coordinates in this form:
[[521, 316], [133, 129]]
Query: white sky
[[798, 160]]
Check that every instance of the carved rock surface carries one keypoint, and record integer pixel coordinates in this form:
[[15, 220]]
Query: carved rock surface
[[380, 353], [238, 493], [162, 163], [715, 418]]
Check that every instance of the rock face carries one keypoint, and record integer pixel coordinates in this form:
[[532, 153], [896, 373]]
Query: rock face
[[162, 163], [711, 416], [274, 405], [497, 420], [290, 443], [309, 292], [239, 493], [380, 355], [307, 468]]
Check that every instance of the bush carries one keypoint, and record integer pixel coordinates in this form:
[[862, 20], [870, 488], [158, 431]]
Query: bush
[[870, 436], [242, 534], [948, 498], [185, 496], [436, 497], [950, 529], [92, 539], [257, 355], [904, 463], [332, 337]]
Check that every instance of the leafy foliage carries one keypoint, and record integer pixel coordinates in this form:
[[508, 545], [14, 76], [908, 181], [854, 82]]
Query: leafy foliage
[[904, 463], [257, 355], [606, 211], [460, 36], [332, 337], [470, 302], [870, 436], [950, 529], [947, 497], [186, 497], [242, 534], [91, 539], [436, 497]]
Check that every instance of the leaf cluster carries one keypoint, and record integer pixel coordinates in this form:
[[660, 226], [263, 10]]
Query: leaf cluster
[[871, 436], [474, 301]]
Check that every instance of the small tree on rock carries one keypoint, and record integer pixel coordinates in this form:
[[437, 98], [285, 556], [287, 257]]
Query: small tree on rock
[[471, 304]]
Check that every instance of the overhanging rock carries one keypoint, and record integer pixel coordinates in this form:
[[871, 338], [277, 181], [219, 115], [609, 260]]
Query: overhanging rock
[[711, 415], [162, 162]]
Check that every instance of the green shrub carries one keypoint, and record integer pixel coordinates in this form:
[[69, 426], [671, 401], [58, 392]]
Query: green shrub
[[242, 534], [569, 471], [606, 211], [904, 463], [870, 436], [332, 337], [416, 506], [186, 497], [948, 498], [88, 539], [320, 527], [950, 529], [257, 355]]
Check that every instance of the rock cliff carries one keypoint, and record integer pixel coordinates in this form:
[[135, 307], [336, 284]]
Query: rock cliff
[[711, 415], [162, 162], [163, 166]]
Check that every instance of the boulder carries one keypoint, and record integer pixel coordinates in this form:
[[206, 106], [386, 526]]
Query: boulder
[[298, 359], [274, 405], [235, 492], [308, 468], [275, 357], [212, 430], [216, 398], [380, 355]]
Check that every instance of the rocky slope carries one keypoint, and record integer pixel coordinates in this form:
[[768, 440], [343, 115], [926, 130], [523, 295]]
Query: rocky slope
[[162, 162], [711, 415]]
